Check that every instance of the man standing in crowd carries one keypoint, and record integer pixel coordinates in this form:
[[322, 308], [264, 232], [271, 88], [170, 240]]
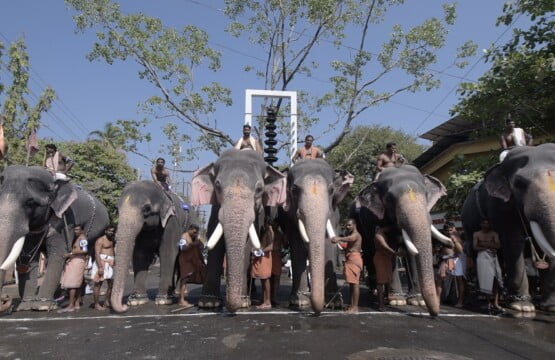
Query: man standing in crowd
[[353, 261], [72, 277], [103, 266], [486, 243], [191, 263]]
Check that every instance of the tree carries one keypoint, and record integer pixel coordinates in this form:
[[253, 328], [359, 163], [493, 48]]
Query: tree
[[289, 31], [19, 116], [358, 151], [123, 136], [521, 81]]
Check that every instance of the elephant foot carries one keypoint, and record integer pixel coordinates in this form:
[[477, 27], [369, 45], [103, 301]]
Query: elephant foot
[[210, 302], [5, 304], [245, 302], [299, 300], [416, 300], [520, 303], [164, 300], [24, 305], [137, 299], [44, 305], [397, 300]]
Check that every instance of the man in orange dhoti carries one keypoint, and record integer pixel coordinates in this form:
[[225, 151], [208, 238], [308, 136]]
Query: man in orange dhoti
[[353, 261]]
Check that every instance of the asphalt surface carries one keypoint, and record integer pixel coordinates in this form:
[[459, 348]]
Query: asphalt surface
[[154, 332]]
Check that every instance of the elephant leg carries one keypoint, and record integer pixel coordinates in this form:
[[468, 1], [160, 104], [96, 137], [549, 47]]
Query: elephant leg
[[547, 278], [397, 295], [299, 291], [211, 296], [56, 247], [142, 259], [517, 282], [168, 254], [414, 296], [28, 286]]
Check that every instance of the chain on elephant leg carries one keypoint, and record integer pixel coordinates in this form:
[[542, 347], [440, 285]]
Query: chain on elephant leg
[[137, 299]]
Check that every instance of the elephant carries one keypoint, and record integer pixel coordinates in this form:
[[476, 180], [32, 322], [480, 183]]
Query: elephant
[[517, 196], [151, 222], [314, 190], [237, 185], [402, 197], [39, 212]]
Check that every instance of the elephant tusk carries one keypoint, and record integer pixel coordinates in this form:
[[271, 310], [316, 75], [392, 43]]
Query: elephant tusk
[[409, 244], [254, 237], [302, 230], [540, 238], [14, 254], [441, 238], [329, 229], [215, 237]]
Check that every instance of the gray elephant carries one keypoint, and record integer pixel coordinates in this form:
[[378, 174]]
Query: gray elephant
[[314, 190], [237, 185], [40, 212], [402, 197], [151, 222], [518, 197]]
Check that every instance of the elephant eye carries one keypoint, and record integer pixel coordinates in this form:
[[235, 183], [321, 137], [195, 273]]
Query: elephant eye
[[30, 203], [147, 209], [330, 189], [259, 187], [218, 185]]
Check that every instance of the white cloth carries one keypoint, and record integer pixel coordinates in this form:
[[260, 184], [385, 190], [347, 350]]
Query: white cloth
[[108, 269], [460, 265], [488, 269], [252, 142], [519, 139]]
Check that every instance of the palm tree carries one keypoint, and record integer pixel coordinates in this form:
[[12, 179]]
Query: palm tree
[[112, 136]]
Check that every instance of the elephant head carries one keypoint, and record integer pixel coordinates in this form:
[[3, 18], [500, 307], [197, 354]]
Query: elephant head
[[313, 191], [527, 178], [403, 198], [238, 184], [28, 198], [143, 206]]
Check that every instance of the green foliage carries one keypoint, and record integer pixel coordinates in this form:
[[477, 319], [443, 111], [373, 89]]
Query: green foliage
[[467, 173], [100, 170], [521, 80], [19, 116], [167, 58], [358, 151]]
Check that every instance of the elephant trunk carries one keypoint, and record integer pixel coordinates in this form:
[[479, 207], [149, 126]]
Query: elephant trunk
[[413, 218], [13, 228], [314, 214], [129, 227], [236, 217], [539, 209]]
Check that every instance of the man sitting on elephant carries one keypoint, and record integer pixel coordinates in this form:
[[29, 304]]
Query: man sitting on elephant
[[56, 163], [513, 136], [353, 261]]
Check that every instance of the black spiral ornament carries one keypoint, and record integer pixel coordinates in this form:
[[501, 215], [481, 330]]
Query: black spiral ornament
[[270, 134]]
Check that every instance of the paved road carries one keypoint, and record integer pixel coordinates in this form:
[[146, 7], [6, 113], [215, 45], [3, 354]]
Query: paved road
[[151, 332]]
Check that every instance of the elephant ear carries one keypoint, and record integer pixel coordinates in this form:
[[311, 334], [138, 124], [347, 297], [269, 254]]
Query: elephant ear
[[202, 187], [342, 182], [275, 187], [65, 196], [370, 198], [167, 209], [434, 190], [497, 184]]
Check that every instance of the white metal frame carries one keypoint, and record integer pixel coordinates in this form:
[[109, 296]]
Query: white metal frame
[[292, 95]]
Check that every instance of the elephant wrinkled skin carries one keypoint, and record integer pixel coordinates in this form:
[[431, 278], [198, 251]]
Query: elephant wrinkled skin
[[34, 206], [151, 222], [402, 197], [237, 185], [518, 197]]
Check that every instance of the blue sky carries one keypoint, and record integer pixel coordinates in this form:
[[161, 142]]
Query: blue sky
[[91, 94]]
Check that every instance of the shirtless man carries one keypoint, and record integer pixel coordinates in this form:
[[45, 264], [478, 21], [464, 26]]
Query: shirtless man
[[72, 277], [161, 175], [383, 262], [308, 151], [451, 263], [389, 158], [247, 141], [56, 163], [353, 261], [191, 262], [103, 266], [486, 243], [511, 137]]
